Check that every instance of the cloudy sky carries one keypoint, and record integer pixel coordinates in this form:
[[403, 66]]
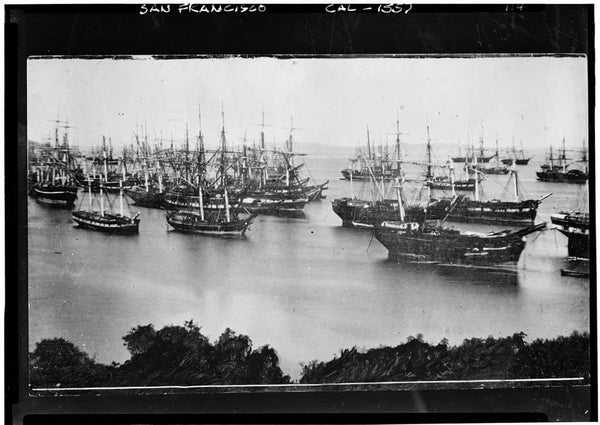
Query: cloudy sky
[[536, 99]]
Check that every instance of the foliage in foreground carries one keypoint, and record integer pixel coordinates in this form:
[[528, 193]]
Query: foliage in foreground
[[182, 355], [173, 355], [491, 358]]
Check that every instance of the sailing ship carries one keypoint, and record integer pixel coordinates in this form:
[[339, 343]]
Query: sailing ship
[[448, 182], [152, 193], [150, 197], [214, 222], [371, 164], [432, 243], [274, 187], [445, 183], [105, 220], [364, 213], [516, 156], [513, 212], [55, 194], [551, 172], [423, 242], [497, 167], [105, 170], [575, 225], [460, 158], [52, 180], [472, 153], [210, 222], [361, 213]]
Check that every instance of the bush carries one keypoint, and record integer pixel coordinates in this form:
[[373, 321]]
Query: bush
[[173, 355], [59, 363]]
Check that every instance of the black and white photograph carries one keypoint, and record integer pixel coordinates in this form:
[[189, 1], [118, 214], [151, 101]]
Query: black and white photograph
[[238, 223]]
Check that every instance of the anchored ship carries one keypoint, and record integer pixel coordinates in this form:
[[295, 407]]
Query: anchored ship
[[514, 212], [52, 180], [516, 156], [421, 242], [560, 173], [223, 222], [575, 225], [368, 213], [370, 164], [105, 220], [55, 194]]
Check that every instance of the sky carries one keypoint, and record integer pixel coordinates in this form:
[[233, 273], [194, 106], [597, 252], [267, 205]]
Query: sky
[[332, 100]]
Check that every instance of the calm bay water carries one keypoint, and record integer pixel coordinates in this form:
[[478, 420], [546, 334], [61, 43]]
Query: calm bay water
[[308, 287]]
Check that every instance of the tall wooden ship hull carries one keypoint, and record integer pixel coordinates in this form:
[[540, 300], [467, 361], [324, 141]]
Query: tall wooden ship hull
[[110, 185], [494, 170], [446, 184], [181, 200], [110, 223], [292, 206], [349, 174], [571, 176], [470, 211], [55, 194], [413, 242], [518, 161], [485, 159], [191, 222], [312, 193], [576, 227], [261, 202], [151, 199], [359, 213]]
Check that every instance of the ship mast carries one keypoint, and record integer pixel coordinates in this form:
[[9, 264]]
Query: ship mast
[[121, 197], [368, 145], [516, 182], [201, 157], [104, 158], [201, 200], [290, 143], [351, 174], [159, 173], [476, 178], [481, 152], [262, 131], [101, 201], [398, 152], [187, 153], [451, 167], [380, 190], [564, 156], [497, 155], [90, 192], [262, 161], [429, 176], [400, 198], [223, 179]]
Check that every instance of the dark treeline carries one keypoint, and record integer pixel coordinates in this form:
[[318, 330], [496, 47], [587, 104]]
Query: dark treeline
[[492, 358], [174, 355], [182, 355]]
